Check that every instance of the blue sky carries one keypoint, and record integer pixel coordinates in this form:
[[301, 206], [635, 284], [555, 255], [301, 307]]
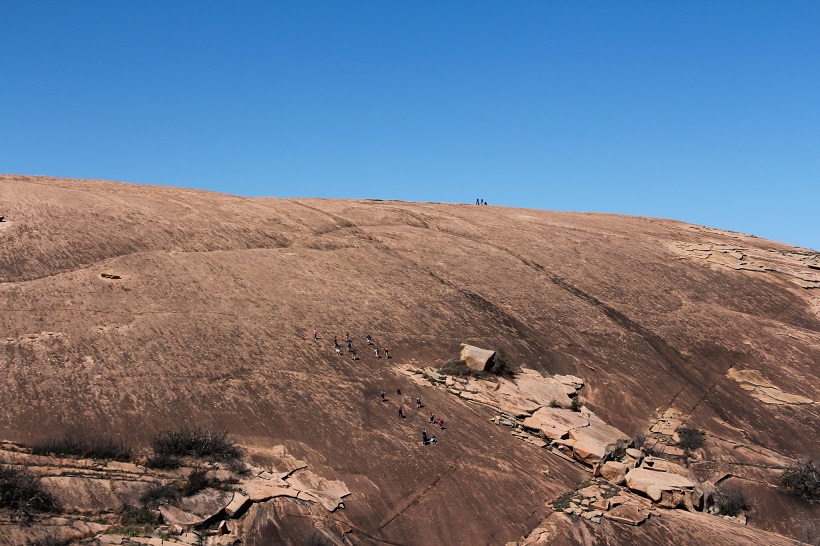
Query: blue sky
[[704, 111]]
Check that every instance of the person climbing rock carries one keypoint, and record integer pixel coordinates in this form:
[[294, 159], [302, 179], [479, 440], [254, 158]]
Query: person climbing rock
[[376, 351], [386, 352], [401, 412], [338, 351], [433, 439], [440, 423], [369, 339], [382, 395], [347, 337], [349, 345], [418, 403], [315, 334], [354, 354], [432, 418], [424, 436]]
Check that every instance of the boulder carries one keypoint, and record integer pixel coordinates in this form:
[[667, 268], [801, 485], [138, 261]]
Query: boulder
[[575, 382], [594, 442], [238, 505], [543, 390], [628, 514], [477, 359], [659, 486], [614, 472], [556, 423]]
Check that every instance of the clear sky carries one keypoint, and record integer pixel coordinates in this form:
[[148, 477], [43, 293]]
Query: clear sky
[[703, 111]]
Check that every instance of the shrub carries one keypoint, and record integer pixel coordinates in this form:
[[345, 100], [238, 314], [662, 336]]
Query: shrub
[[197, 480], [554, 403], [803, 479], [21, 490], [639, 439], [133, 521], [730, 500], [157, 494], [197, 442], [502, 366], [458, 368], [563, 501], [575, 405], [48, 540], [690, 438], [84, 447], [163, 461]]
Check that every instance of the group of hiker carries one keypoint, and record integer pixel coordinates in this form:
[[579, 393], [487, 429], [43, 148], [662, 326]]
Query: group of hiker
[[385, 351], [425, 438]]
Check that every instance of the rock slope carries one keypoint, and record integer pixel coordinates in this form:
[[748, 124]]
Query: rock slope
[[126, 310]]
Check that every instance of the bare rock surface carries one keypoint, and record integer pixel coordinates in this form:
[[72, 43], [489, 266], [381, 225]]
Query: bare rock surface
[[209, 323]]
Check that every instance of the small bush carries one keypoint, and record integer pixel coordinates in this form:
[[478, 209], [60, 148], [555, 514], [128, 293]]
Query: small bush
[[803, 479], [690, 438], [554, 403], [639, 439], [197, 480], [157, 494], [49, 540], [502, 366], [562, 502], [84, 447], [21, 490], [730, 500], [163, 461], [575, 405], [197, 442], [459, 368], [133, 520]]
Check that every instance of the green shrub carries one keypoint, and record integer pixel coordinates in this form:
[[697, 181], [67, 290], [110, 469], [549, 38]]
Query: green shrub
[[163, 461], [71, 445], [196, 442], [730, 500], [502, 366], [133, 521], [157, 494], [690, 438], [575, 405], [803, 479], [21, 490]]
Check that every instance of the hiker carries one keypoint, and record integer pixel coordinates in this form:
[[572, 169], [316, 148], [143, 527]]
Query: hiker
[[382, 395], [418, 403], [338, 351], [432, 418], [354, 354], [432, 439], [476, 202], [369, 339], [424, 436], [440, 424], [347, 337], [386, 352], [401, 412], [315, 333], [349, 345], [376, 350], [335, 340]]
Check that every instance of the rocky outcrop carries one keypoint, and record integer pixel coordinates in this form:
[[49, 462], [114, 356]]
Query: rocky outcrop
[[477, 359]]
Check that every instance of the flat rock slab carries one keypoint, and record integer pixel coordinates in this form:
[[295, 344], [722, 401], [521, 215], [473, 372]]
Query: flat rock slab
[[653, 483], [556, 423], [628, 514]]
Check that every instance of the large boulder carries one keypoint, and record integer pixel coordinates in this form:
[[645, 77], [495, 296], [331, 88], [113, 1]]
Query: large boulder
[[556, 423], [596, 441], [476, 358], [664, 488]]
